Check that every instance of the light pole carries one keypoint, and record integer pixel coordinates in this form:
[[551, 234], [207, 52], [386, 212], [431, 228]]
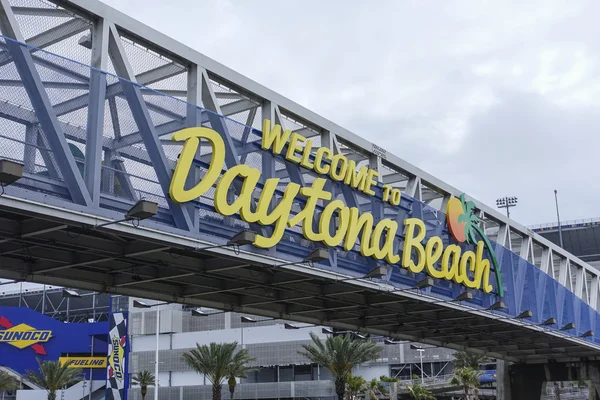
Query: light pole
[[420, 350], [558, 217], [141, 304], [506, 202]]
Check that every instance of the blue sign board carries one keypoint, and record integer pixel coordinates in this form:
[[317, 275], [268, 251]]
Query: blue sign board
[[26, 336]]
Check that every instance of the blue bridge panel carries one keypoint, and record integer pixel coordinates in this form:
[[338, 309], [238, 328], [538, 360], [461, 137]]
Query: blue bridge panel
[[128, 173]]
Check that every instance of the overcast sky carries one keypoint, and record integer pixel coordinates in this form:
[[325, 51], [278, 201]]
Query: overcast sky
[[497, 99]]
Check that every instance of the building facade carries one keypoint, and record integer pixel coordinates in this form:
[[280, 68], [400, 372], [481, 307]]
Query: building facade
[[282, 373]]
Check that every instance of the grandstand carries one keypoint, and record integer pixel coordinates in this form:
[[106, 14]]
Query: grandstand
[[580, 237], [51, 301]]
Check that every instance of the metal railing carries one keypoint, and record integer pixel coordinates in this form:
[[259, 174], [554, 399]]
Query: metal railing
[[432, 380], [565, 224]]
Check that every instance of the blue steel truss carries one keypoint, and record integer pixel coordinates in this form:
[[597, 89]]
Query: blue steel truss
[[127, 158]]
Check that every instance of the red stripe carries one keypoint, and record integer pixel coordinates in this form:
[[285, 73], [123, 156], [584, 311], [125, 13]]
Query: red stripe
[[39, 349], [5, 323]]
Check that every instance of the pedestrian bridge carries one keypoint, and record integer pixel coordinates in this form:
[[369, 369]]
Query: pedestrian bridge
[[269, 209]]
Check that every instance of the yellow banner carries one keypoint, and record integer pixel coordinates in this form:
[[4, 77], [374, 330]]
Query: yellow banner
[[84, 362]]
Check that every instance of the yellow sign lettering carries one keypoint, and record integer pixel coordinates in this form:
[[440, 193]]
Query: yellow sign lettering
[[273, 138], [413, 242], [192, 138], [84, 362], [337, 224]]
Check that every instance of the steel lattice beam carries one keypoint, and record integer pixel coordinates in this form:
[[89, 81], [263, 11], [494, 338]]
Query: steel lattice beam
[[42, 106], [195, 278]]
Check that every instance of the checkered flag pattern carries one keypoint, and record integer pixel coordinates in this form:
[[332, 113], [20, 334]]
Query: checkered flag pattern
[[117, 348]]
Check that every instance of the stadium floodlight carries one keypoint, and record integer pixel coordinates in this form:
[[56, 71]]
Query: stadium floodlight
[[248, 320], [549, 322], [197, 312], [318, 254], [377, 272], [392, 341], [464, 296], [289, 326], [141, 304], [506, 202], [68, 293], [422, 284], [568, 326], [357, 335], [525, 314], [241, 238], [497, 305], [141, 210], [10, 172]]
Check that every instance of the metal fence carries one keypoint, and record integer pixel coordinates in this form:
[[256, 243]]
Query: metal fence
[[323, 390]]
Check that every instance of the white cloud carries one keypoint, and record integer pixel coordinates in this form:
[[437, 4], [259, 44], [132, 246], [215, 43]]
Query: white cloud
[[497, 98]]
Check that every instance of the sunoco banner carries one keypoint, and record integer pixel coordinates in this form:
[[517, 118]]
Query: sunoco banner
[[116, 379]]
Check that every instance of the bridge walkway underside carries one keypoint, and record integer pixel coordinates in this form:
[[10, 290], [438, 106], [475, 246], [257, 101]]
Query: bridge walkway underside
[[94, 139], [59, 247]]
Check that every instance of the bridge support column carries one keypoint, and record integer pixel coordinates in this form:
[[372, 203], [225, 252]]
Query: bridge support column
[[526, 382], [595, 387], [503, 380], [591, 372]]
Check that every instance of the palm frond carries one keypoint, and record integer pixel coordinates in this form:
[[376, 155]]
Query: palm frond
[[53, 375], [218, 361], [341, 353], [7, 382], [143, 378]]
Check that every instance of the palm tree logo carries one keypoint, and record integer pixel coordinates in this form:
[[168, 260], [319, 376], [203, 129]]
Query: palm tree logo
[[463, 225]]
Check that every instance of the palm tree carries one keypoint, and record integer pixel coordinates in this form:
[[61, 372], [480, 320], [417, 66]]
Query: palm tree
[[418, 392], [7, 382], [53, 376], [354, 385], [465, 359], [216, 361], [339, 354], [384, 378], [238, 369], [373, 389], [144, 378], [472, 226], [468, 379]]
